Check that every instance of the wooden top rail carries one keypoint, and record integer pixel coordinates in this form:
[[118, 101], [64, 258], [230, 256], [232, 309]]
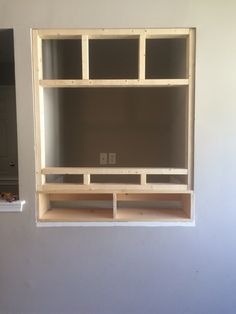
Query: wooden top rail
[[112, 33], [114, 171]]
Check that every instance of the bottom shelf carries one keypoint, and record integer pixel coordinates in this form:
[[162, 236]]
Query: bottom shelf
[[126, 207], [72, 214], [151, 214]]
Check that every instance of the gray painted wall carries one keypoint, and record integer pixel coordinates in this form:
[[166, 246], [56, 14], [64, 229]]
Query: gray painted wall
[[130, 270]]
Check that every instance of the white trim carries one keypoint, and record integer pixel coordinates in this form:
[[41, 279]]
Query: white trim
[[16, 206], [190, 223]]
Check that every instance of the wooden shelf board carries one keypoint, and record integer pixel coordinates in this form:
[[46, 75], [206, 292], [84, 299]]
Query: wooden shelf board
[[117, 170], [150, 214], [111, 188], [113, 83], [68, 214]]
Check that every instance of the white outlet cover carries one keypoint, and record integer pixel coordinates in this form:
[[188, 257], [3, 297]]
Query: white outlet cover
[[112, 158], [103, 158]]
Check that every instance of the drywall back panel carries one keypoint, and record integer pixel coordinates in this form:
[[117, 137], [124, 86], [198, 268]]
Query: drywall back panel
[[54, 126], [120, 269], [62, 59], [133, 123]]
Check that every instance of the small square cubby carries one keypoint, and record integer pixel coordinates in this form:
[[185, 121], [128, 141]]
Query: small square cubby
[[166, 58], [62, 59], [113, 58]]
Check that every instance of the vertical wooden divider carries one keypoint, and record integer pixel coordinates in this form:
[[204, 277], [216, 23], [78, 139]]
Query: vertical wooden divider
[[190, 112], [143, 179], [38, 109], [85, 57], [86, 178], [142, 56]]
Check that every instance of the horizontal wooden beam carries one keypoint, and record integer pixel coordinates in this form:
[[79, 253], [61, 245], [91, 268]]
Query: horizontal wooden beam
[[149, 196], [110, 188], [81, 197], [114, 171], [112, 33], [113, 83]]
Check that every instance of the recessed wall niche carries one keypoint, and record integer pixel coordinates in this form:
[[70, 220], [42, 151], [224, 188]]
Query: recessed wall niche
[[114, 125]]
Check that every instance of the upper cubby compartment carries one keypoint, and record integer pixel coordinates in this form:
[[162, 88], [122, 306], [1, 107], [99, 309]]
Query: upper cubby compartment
[[113, 58], [62, 59], [166, 58]]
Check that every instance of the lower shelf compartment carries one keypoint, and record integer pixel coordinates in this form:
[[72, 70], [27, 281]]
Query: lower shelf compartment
[[115, 207], [78, 214], [151, 214]]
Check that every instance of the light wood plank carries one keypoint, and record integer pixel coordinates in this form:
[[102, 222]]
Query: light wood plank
[[142, 56], [115, 171], [149, 196], [113, 83], [86, 178], [38, 108], [80, 214], [190, 118], [85, 57], [143, 179], [80, 197], [109, 188], [126, 214], [151, 214], [113, 33]]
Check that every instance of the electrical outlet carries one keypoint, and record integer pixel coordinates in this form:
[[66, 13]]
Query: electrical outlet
[[103, 159], [112, 158]]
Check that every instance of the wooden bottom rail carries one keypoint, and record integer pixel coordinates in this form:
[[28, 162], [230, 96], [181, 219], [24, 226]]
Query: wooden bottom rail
[[115, 207]]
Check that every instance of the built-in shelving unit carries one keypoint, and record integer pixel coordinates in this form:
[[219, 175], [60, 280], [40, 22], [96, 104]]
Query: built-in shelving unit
[[128, 91]]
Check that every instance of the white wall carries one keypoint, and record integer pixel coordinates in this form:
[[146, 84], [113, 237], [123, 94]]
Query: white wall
[[130, 270]]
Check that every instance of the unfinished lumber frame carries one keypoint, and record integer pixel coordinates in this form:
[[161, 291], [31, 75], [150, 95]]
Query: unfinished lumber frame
[[177, 190]]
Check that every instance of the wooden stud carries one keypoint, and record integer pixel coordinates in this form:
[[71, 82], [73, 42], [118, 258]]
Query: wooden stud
[[142, 56], [85, 57], [190, 111], [38, 108], [113, 33], [109, 188], [86, 179], [114, 171], [143, 178], [113, 83]]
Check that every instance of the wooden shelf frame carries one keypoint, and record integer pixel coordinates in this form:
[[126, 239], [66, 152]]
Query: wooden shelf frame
[[40, 84], [176, 207]]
